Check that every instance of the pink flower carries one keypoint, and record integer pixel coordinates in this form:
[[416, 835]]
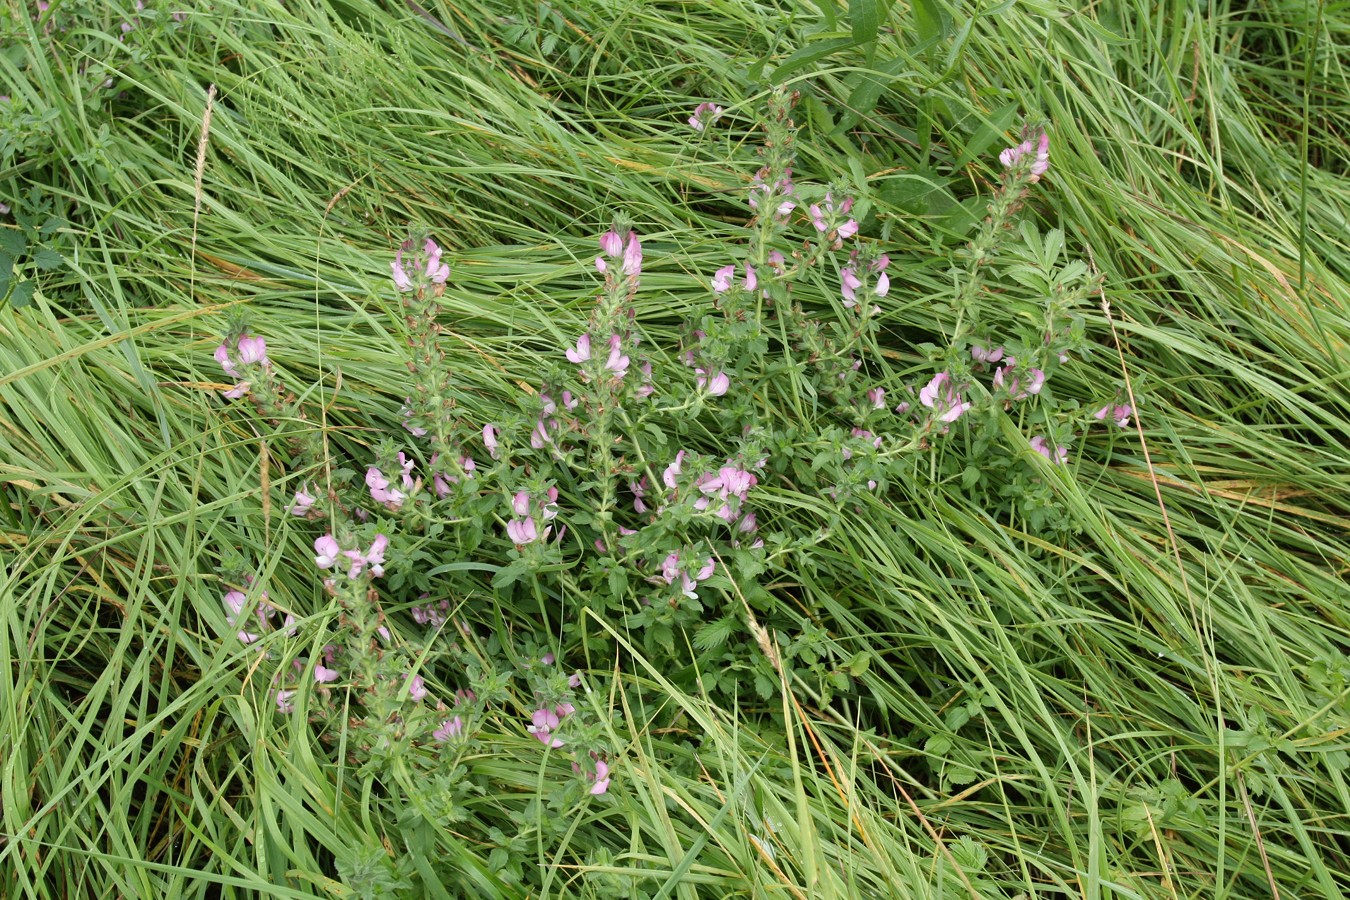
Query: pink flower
[[408, 414], [716, 386], [705, 114], [545, 722], [222, 356], [582, 352], [1055, 455], [1118, 414], [618, 361], [490, 440], [1035, 147], [849, 284], [401, 279], [722, 278], [632, 255], [877, 397], [940, 396], [611, 244], [980, 354], [407, 466], [522, 531], [449, 730], [599, 778], [380, 491], [323, 674], [327, 551], [284, 705], [437, 272], [375, 555], [673, 470], [520, 503], [303, 502], [417, 688]]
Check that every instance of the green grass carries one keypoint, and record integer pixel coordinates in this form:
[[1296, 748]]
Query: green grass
[[1156, 703]]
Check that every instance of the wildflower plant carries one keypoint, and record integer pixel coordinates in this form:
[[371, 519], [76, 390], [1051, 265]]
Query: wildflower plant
[[629, 487]]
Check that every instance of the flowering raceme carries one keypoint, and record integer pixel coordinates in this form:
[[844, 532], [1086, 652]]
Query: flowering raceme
[[941, 396], [426, 268], [1033, 155]]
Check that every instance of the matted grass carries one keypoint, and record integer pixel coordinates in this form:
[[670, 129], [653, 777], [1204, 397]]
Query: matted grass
[[1151, 704]]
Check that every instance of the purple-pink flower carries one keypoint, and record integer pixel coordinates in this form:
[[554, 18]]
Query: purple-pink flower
[[450, 729], [582, 352], [1058, 455], [716, 386], [326, 551], [1116, 413], [597, 777], [304, 501], [545, 721], [704, 115], [941, 396], [982, 354], [432, 269], [1035, 147]]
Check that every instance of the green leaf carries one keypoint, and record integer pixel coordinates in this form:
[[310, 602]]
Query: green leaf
[[871, 83], [47, 259], [22, 296], [12, 242], [714, 634], [931, 21], [866, 16], [809, 54]]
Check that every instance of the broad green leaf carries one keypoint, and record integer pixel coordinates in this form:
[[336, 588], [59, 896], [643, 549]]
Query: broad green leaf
[[809, 54]]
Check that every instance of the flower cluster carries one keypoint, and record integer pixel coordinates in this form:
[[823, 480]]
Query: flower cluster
[[944, 398], [414, 271], [1120, 414], [244, 358], [235, 602], [1030, 158], [531, 516], [864, 276], [328, 553], [833, 220]]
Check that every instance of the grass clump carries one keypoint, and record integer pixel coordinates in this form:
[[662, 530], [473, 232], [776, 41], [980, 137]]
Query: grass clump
[[1011, 649]]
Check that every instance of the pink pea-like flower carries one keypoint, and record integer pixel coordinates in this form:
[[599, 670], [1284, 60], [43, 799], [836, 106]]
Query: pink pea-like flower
[[618, 361], [632, 255], [490, 440], [450, 729], [544, 722], [582, 352], [673, 470], [877, 397], [252, 350], [722, 279], [417, 688], [375, 555], [1118, 414], [985, 355], [945, 400], [705, 114], [437, 272], [522, 531], [323, 674], [601, 778], [1058, 455], [611, 244], [326, 551], [284, 704]]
